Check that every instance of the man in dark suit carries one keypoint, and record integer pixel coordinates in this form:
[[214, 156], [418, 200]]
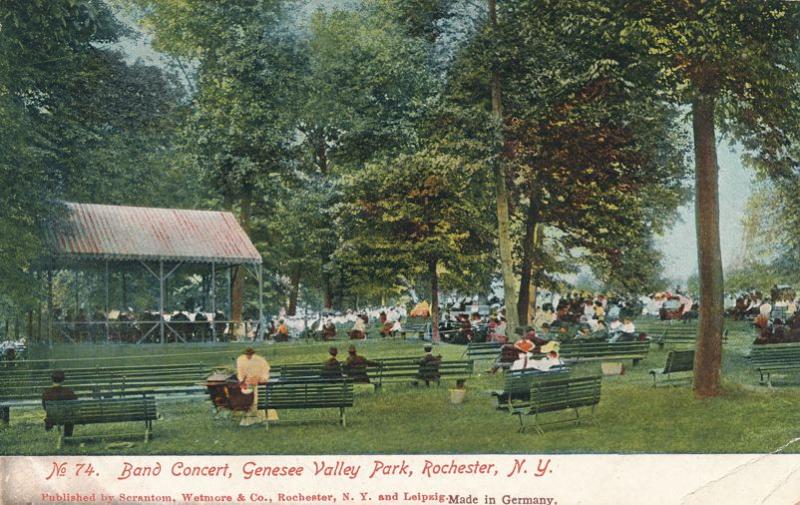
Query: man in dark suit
[[56, 393], [429, 366], [356, 366], [332, 368]]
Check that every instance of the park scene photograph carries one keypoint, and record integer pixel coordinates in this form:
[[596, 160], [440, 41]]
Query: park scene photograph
[[314, 227]]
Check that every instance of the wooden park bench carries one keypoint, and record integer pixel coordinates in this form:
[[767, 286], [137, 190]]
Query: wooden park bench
[[546, 396], [410, 371], [421, 326], [775, 359], [604, 351], [477, 351], [680, 334], [116, 410], [518, 384], [392, 369], [25, 387], [307, 394], [677, 361]]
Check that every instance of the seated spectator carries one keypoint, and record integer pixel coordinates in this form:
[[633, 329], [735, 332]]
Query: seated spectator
[[355, 366], [331, 368], [56, 393], [599, 311], [359, 331], [498, 334], [386, 329], [429, 366], [624, 332], [551, 359], [328, 330], [282, 333]]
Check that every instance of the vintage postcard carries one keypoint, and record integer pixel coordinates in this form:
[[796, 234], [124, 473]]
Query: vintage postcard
[[383, 252]]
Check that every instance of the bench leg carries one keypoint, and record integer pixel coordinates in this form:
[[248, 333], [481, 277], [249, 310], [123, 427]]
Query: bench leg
[[5, 415], [521, 424], [342, 418], [60, 442], [594, 418], [636, 361], [661, 346]]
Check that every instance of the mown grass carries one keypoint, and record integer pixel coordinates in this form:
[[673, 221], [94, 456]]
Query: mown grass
[[632, 417]]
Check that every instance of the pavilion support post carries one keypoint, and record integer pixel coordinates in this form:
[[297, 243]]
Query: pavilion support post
[[106, 281], [49, 308], [213, 301], [161, 299], [229, 291], [260, 334]]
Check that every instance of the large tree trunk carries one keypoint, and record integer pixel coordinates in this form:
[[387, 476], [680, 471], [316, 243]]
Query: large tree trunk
[[434, 299], [503, 218], [295, 289], [528, 251], [708, 357], [327, 300]]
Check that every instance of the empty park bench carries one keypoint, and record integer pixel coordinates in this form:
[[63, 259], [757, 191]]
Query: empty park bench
[[677, 361], [602, 351], [421, 326], [554, 395], [307, 394], [25, 387], [774, 359], [477, 351], [518, 384], [116, 410], [680, 334]]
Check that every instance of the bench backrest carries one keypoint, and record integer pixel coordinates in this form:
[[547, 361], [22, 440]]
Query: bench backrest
[[483, 349], [600, 349], [410, 370], [563, 393], [101, 411], [306, 394], [774, 353], [105, 381], [679, 361], [518, 383]]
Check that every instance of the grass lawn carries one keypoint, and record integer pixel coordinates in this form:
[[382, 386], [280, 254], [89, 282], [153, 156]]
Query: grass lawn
[[632, 416]]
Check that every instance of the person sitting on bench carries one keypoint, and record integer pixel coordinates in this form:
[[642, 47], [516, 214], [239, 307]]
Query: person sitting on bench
[[328, 330], [282, 333], [58, 393], [359, 331], [355, 366], [331, 368], [429, 366]]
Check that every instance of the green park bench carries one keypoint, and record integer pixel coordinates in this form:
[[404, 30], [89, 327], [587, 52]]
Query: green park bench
[[677, 361], [518, 384], [603, 351], [116, 410], [421, 326], [410, 371], [680, 334], [307, 394], [25, 388], [477, 351], [555, 395], [775, 359]]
